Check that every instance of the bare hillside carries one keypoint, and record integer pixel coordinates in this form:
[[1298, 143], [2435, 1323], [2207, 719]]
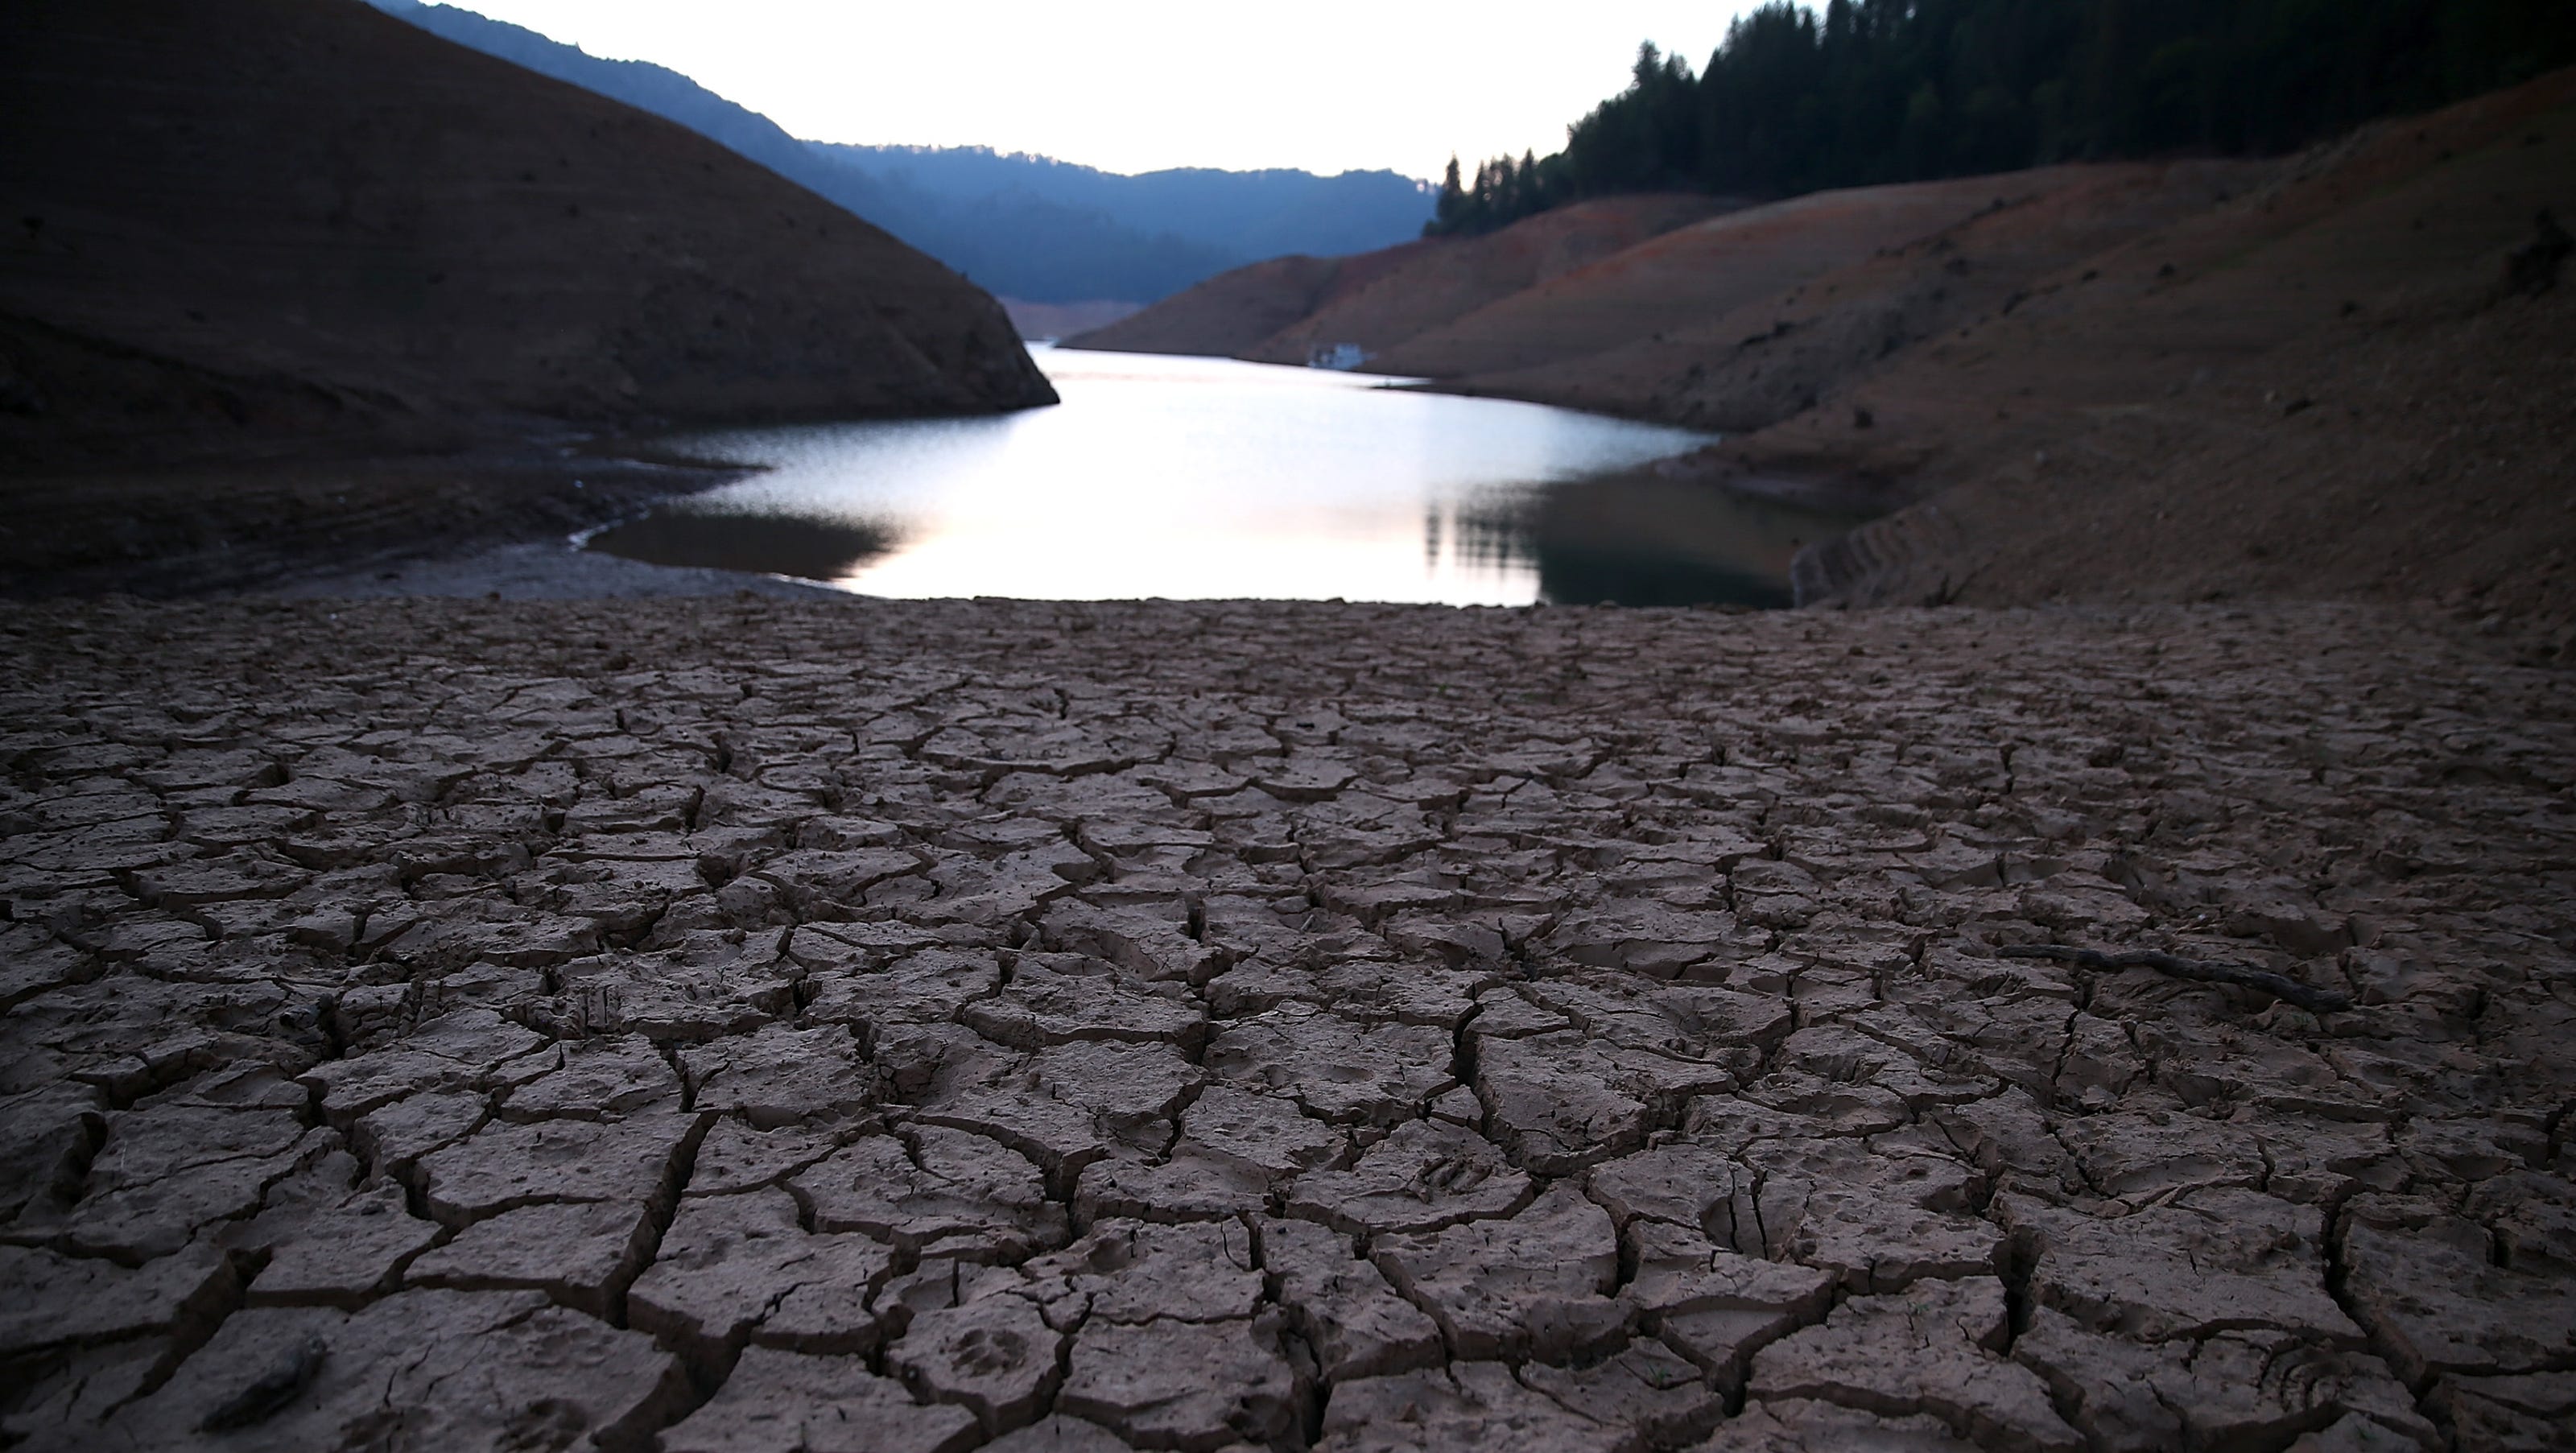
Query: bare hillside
[[253, 224], [1228, 315], [1761, 321], [1431, 288], [1694, 274], [1277, 311], [2356, 381]]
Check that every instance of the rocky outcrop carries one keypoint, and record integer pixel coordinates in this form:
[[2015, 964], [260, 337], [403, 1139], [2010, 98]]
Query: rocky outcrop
[[289, 224], [1087, 1027]]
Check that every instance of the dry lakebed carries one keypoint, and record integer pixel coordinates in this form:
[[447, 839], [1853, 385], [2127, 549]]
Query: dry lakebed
[[751, 1024]]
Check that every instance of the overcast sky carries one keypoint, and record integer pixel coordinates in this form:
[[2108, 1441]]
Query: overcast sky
[[1133, 85]]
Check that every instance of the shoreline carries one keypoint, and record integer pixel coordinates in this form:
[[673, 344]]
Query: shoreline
[[1744, 463], [284, 525], [536, 570]]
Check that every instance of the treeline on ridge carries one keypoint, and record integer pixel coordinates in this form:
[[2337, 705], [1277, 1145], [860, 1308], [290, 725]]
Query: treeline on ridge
[[1874, 91]]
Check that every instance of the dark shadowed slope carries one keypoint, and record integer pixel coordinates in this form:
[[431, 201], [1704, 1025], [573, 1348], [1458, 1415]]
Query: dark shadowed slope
[[1030, 228], [250, 224], [1018, 245]]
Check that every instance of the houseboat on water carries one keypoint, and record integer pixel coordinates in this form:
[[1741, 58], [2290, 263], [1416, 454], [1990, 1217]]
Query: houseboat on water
[[1344, 356]]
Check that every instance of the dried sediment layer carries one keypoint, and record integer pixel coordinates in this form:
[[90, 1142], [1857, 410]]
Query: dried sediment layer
[[1179, 1026]]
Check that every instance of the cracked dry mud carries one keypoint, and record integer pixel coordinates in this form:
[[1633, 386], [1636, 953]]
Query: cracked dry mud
[[741, 1025]]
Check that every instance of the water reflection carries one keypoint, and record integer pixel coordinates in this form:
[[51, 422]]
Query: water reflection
[[1640, 539], [809, 548], [1203, 478]]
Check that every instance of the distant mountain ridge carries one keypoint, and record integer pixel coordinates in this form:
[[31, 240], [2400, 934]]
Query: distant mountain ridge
[[1027, 227], [1253, 215]]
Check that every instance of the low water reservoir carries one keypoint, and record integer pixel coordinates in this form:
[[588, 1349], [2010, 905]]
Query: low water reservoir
[[1198, 478]]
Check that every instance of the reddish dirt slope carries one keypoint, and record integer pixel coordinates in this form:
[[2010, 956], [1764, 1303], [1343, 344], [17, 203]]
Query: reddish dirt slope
[[2329, 386], [259, 222], [1698, 273], [1426, 289], [1227, 315], [1276, 311], [1773, 352]]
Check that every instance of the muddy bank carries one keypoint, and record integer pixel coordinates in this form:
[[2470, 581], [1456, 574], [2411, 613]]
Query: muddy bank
[[278, 524], [550, 569], [1289, 1025]]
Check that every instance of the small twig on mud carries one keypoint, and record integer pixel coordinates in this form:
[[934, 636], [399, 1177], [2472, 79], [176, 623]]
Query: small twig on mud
[[2314, 1000]]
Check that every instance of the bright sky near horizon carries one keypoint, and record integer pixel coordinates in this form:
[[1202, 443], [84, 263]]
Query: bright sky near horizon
[[1136, 85]]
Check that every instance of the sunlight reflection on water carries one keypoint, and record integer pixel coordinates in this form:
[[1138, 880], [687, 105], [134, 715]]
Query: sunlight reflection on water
[[1195, 478]]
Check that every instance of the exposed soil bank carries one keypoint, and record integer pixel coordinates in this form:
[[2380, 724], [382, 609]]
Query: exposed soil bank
[[1280, 310], [1359, 1028], [2345, 374], [269, 523]]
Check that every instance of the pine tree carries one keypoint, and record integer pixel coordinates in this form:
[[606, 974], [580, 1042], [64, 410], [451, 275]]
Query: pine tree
[[1449, 213], [1874, 91]]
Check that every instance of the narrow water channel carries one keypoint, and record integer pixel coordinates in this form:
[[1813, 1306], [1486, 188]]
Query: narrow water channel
[[1196, 478]]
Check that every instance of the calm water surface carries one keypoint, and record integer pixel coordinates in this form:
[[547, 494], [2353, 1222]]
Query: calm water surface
[[1196, 478]]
